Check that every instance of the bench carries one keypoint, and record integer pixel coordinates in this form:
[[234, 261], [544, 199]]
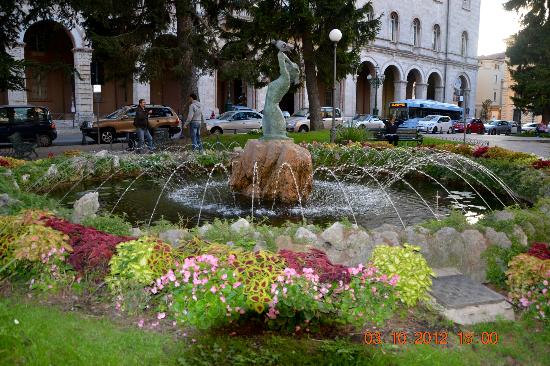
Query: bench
[[21, 149], [405, 135]]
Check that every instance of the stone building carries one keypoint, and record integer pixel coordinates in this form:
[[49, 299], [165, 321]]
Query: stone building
[[424, 49], [494, 83]]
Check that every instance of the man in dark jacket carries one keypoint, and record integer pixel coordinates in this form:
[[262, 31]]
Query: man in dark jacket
[[141, 122], [391, 130]]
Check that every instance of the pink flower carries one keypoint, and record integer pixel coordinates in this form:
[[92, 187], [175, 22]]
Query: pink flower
[[236, 284], [224, 276], [394, 280], [222, 299], [140, 323], [213, 289], [544, 291], [297, 329], [524, 302], [373, 289], [545, 283], [154, 290], [161, 316]]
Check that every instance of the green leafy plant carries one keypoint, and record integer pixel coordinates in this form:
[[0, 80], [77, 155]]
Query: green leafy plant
[[347, 134], [497, 259], [111, 224], [139, 262], [412, 269]]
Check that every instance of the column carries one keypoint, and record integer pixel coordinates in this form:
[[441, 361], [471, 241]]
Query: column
[[350, 91], [84, 96], [141, 91], [469, 108], [439, 93], [207, 94], [421, 91], [400, 90], [378, 96], [260, 98], [18, 96]]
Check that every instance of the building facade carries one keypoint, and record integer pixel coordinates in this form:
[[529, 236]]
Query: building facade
[[495, 84], [426, 49]]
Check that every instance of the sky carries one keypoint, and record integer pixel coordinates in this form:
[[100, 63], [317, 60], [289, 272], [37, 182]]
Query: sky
[[496, 24]]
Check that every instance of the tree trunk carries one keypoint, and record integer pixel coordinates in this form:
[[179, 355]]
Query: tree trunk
[[546, 115], [187, 74], [315, 122]]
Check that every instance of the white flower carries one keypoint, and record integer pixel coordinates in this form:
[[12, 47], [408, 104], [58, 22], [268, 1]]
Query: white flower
[[16, 321]]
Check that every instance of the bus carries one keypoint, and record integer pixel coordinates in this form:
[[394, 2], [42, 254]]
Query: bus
[[412, 110]]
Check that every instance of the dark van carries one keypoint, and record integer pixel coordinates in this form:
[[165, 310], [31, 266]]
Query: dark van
[[31, 122]]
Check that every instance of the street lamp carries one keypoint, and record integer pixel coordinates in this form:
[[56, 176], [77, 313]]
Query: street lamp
[[335, 36], [377, 80]]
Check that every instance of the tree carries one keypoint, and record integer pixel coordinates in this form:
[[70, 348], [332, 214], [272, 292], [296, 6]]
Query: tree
[[529, 57], [484, 114], [248, 28]]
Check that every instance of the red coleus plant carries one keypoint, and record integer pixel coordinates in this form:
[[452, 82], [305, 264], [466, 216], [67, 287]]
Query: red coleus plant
[[4, 162], [318, 261], [92, 249], [541, 164], [539, 250], [479, 151]]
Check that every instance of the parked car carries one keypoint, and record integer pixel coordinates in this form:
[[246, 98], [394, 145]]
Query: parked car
[[31, 122], [235, 121], [497, 127], [365, 121], [529, 127], [435, 124], [286, 114], [121, 122], [299, 121], [473, 125]]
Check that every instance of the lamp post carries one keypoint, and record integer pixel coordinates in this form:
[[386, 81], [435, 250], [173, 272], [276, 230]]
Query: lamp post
[[377, 80], [335, 36]]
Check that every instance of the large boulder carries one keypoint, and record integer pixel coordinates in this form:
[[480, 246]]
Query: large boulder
[[335, 236], [274, 170], [86, 206]]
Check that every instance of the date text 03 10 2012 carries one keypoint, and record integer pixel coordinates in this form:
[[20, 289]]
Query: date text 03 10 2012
[[437, 338]]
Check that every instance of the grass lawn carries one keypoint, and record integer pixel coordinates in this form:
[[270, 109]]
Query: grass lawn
[[47, 336], [319, 136]]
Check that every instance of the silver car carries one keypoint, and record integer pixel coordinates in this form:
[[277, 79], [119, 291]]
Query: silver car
[[299, 121], [235, 121], [497, 127]]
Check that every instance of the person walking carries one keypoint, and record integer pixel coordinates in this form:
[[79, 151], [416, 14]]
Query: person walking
[[141, 122], [391, 130], [195, 117]]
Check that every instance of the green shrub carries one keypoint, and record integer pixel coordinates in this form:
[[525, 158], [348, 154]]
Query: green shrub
[[412, 269], [497, 259], [347, 134], [111, 224], [455, 220]]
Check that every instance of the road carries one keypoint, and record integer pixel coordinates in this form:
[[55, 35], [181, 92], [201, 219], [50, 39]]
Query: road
[[535, 145]]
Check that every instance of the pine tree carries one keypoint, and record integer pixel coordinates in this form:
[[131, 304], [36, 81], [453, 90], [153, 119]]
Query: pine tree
[[248, 27], [529, 57]]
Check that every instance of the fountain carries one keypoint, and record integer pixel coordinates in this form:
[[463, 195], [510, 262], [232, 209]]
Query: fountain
[[275, 168]]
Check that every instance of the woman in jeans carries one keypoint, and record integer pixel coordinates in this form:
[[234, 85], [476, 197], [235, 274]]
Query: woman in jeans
[[195, 118]]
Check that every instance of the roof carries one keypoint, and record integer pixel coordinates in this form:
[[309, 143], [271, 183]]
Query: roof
[[495, 56]]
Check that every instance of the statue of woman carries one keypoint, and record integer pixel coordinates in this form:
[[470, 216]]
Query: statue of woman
[[273, 122]]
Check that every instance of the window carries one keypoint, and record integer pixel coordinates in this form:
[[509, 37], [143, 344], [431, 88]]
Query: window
[[436, 40], [496, 79], [464, 44], [494, 96], [370, 14], [466, 4], [394, 26], [416, 32], [23, 114]]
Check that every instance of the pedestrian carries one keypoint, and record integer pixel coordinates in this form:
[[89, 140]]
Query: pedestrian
[[195, 117], [391, 130], [141, 122]]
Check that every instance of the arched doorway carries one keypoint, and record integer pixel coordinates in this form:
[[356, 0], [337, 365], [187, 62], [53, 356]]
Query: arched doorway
[[435, 87], [50, 75], [165, 87], [363, 91], [414, 78], [391, 76], [230, 91]]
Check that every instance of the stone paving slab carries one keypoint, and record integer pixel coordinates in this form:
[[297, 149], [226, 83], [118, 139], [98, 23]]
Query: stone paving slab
[[458, 291]]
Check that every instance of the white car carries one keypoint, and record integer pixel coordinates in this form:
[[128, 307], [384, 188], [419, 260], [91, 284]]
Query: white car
[[299, 121], [435, 124], [235, 121], [366, 121], [529, 127]]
